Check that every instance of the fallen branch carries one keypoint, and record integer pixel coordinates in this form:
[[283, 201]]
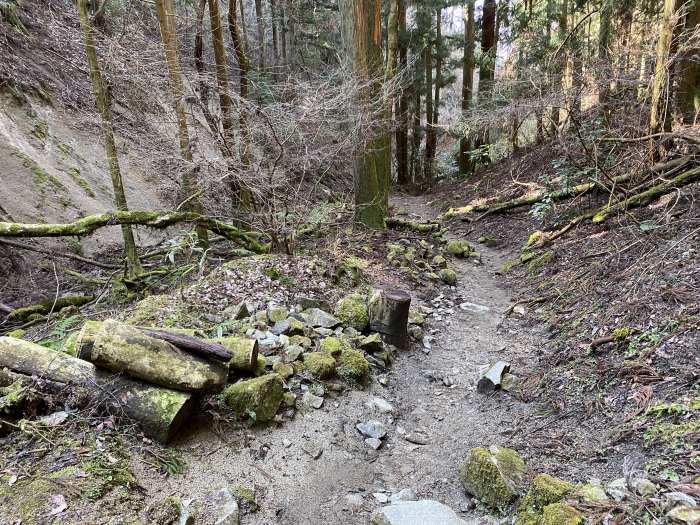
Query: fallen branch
[[193, 344], [65, 255], [153, 219], [649, 195], [45, 307], [421, 227]]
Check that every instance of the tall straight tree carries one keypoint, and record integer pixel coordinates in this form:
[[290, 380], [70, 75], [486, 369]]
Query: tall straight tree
[[465, 165], [688, 74], [222, 84], [103, 102], [487, 66], [402, 174], [260, 25], [189, 186], [372, 165], [429, 128]]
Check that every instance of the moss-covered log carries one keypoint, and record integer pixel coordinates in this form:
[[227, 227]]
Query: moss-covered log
[[125, 349], [159, 411], [244, 352], [645, 197], [44, 307], [153, 219], [405, 224]]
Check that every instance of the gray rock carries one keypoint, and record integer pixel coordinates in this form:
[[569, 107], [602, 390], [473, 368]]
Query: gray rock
[[237, 311], [680, 498], [308, 303], [617, 489], [381, 497], [324, 332], [280, 327], [380, 405], [372, 429], [403, 495], [373, 443], [421, 512], [643, 487], [351, 332], [417, 438], [292, 353], [312, 448], [683, 514], [354, 502], [311, 400], [372, 343], [226, 505], [318, 318]]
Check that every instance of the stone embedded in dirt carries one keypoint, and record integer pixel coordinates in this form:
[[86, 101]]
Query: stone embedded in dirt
[[292, 353], [617, 489], [318, 318], [312, 448], [373, 443], [439, 261], [417, 438], [493, 475], [372, 343], [372, 429], [403, 495], [258, 398], [352, 311], [416, 332], [166, 511], [492, 378], [306, 303], [448, 276], [226, 505], [643, 487], [561, 514], [320, 364], [474, 307], [311, 400], [592, 492], [683, 514], [277, 313], [422, 512], [458, 248], [354, 502], [380, 405], [510, 382], [416, 317], [237, 311]]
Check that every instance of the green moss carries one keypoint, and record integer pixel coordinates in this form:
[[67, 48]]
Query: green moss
[[246, 498], [544, 490], [39, 175], [561, 514], [493, 476], [300, 340], [320, 364], [257, 398], [165, 511], [351, 268], [354, 367], [622, 333], [352, 311], [448, 276], [536, 263], [74, 173], [74, 245], [18, 333], [107, 475], [40, 129], [149, 310], [333, 346], [439, 261], [285, 370], [458, 248], [533, 239], [591, 492], [277, 314], [65, 149]]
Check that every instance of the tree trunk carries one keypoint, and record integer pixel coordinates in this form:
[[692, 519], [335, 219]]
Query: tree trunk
[[244, 28], [103, 102], [372, 167], [487, 68], [159, 411], [561, 63], [392, 62], [402, 173], [688, 74], [605, 68], [432, 146], [388, 315], [465, 164], [122, 348], [416, 136], [283, 32], [429, 129], [244, 70], [275, 22], [260, 23], [660, 118], [189, 185], [222, 76], [201, 73]]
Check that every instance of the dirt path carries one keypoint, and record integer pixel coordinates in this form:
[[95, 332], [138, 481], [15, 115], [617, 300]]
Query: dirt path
[[338, 487]]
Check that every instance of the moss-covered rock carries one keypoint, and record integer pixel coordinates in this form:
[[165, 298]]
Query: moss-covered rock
[[277, 313], [493, 475], [448, 276], [148, 310], [18, 333], [591, 492], [320, 364], [354, 367], [261, 366], [439, 261], [537, 263], [300, 340], [372, 343], [257, 398], [352, 311], [285, 370], [458, 248], [165, 511], [561, 514], [533, 239], [333, 346], [545, 490]]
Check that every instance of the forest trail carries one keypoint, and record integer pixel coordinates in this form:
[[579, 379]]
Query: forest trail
[[338, 487]]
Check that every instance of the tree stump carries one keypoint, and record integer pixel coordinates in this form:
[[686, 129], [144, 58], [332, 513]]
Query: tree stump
[[388, 315]]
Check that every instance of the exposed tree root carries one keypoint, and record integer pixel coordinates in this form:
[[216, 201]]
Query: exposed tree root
[[64, 255], [22, 314], [153, 219]]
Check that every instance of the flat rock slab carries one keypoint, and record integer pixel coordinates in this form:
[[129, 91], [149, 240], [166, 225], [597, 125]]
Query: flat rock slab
[[417, 513]]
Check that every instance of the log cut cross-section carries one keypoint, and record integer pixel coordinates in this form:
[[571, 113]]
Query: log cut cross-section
[[159, 411]]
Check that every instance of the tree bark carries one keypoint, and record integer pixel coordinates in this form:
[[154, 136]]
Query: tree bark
[[487, 66], [103, 103], [244, 71], [429, 128], [402, 172], [260, 23], [465, 164], [275, 22], [159, 411], [388, 315], [372, 166], [688, 74], [122, 348], [225, 103], [189, 186]]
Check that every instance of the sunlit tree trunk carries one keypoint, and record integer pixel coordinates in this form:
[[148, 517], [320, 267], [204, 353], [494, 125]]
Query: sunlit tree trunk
[[198, 52], [103, 102], [372, 165], [222, 84], [189, 186], [562, 61], [465, 166], [402, 174], [659, 118]]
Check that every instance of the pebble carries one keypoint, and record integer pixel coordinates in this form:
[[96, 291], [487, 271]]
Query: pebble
[[373, 443], [417, 512], [312, 449], [403, 495], [311, 400], [417, 438], [372, 429], [379, 404]]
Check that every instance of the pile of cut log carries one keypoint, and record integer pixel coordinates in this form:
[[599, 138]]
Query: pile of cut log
[[153, 376]]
